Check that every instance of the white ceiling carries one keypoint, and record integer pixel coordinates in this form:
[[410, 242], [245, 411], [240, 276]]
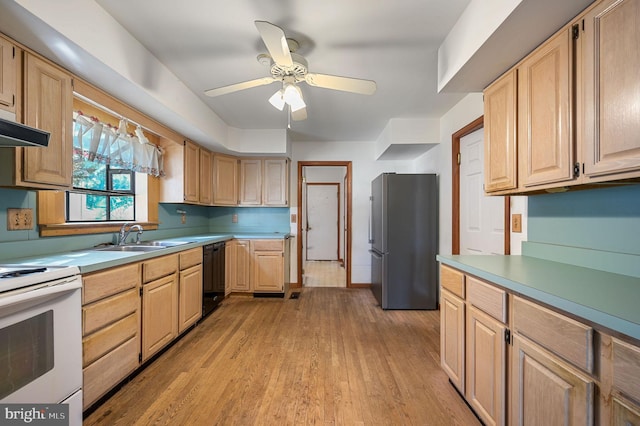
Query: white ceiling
[[208, 44]]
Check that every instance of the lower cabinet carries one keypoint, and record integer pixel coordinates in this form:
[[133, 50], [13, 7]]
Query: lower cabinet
[[267, 258], [110, 329], [452, 337], [159, 314], [189, 288], [238, 268], [545, 390], [259, 266], [486, 352]]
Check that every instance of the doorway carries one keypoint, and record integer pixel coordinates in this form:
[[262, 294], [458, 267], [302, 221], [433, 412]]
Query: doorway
[[503, 217], [324, 225]]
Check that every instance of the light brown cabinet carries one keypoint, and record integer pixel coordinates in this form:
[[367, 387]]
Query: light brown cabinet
[[609, 92], [546, 390], [238, 273], [576, 114], [264, 182], [188, 174], [47, 105], [545, 128], [159, 303], [9, 60], [250, 182], [189, 288], [267, 265], [452, 336], [500, 158], [110, 329], [225, 180]]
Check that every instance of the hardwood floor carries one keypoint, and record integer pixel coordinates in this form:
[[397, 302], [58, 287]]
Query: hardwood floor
[[329, 357], [324, 273]]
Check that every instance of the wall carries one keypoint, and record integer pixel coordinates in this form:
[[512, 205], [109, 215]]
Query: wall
[[364, 169], [249, 219], [595, 228]]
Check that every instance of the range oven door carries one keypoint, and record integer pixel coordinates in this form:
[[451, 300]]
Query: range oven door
[[41, 342]]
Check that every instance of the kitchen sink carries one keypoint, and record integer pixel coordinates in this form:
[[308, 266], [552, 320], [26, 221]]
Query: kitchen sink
[[133, 247], [160, 243]]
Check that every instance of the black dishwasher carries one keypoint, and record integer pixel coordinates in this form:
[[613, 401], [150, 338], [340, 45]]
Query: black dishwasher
[[212, 276]]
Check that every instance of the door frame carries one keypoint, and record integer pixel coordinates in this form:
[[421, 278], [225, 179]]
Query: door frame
[[476, 124], [348, 208], [337, 185]]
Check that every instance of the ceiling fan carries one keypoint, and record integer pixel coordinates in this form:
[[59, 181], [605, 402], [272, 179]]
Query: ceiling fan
[[290, 69]]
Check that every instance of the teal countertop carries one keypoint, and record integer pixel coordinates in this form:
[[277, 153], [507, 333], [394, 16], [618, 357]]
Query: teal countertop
[[91, 260], [601, 298]]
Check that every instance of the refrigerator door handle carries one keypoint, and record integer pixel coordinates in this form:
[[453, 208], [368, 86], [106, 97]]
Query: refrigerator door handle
[[375, 254], [370, 220]]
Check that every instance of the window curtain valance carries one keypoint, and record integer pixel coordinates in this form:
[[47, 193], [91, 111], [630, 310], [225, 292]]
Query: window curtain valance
[[102, 143]]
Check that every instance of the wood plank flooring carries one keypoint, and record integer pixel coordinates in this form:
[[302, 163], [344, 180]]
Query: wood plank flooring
[[324, 273], [331, 357]]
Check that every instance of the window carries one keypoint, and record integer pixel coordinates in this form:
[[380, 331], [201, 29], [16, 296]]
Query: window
[[100, 193]]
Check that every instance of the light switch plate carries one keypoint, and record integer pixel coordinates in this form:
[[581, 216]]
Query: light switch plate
[[19, 219]]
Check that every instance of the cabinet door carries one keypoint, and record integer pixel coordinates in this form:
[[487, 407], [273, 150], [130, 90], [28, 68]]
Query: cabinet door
[[486, 366], [268, 271], [275, 187], [611, 60], [229, 267], [190, 296], [546, 390], [8, 70], [500, 166], [48, 106], [624, 413], [545, 128], [452, 338], [206, 177], [250, 182], [242, 269], [191, 172], [225, 180], [159, 314]]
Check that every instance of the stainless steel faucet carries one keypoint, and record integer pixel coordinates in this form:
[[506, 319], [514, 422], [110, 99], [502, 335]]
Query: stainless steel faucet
[[124, 233]]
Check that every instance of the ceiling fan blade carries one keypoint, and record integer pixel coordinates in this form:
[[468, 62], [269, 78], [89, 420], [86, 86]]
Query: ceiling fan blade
[[276, 43], [299, 115], [240, 86], [346, 84]]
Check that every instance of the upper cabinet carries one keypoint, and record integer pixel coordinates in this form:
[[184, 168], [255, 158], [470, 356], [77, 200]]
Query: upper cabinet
[[544, 115], [48, 100], [225, 180], [610, 91], [188, 175], [264, 182], [8, 75], [576, 118], [500, 134]]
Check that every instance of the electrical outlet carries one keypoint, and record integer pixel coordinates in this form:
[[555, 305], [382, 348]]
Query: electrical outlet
[[516, 223], [19, 219], [234, 218]]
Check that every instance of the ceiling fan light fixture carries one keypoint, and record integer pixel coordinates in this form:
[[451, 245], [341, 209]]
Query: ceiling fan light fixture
[[293, 96], [277, 100]]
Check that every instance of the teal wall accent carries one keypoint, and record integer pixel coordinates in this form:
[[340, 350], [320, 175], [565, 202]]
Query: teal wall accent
[[199, 220], [250, 219], [604, 219]]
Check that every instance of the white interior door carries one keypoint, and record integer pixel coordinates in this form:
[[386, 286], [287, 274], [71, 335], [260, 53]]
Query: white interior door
[[481, 217], [322, 221]]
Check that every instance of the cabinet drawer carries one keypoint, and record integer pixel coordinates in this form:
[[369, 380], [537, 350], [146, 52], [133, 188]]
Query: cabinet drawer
[[189, 258], [488, 298], [99, 343], [267, 245], [102, 375], [158, 267], [626, 368], [564, 336], [103, 284], [106, 311], [452, 280]]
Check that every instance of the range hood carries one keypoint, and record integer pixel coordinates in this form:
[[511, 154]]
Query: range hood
[[15, 134]]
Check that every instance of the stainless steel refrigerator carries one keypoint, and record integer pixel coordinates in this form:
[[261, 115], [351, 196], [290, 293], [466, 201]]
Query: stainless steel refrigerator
[[403, 233]]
